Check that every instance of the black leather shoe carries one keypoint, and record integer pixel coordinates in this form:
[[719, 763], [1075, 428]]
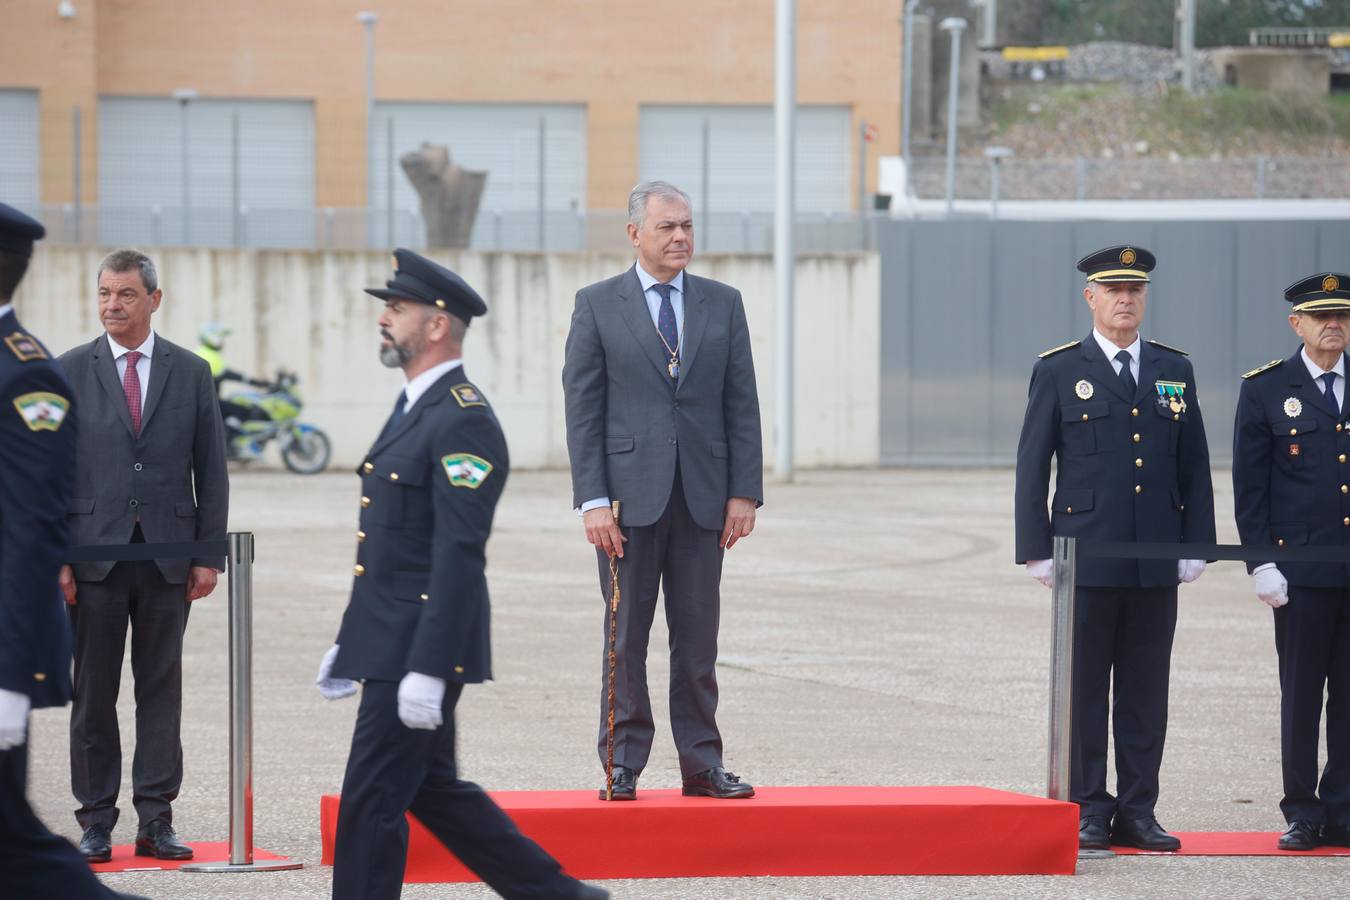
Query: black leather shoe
[[96, 844], [591, 892], [625, 785], [1336, 835], [1146, 834], [159, 841], [717, 782], [1094, 833], [1300, 835]]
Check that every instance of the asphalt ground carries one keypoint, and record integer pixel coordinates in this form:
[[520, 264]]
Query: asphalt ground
[[874, 631]]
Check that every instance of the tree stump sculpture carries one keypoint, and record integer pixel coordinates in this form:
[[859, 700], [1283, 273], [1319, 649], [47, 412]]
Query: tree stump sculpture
[[450, 194]]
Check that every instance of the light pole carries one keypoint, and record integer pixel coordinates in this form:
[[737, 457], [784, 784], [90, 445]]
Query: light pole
[[185, 96], [953, 26], [368, 20], [995, 155], [784, 214], [907, 68]]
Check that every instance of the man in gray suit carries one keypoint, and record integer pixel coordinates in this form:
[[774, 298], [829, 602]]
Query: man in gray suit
[[662, 415], [150, 468]]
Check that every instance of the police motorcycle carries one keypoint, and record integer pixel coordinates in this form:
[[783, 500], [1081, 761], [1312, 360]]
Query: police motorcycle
[[272, 413]]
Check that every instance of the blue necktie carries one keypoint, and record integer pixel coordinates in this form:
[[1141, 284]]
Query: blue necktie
[[670, 332], [397, 415], [1126, 376], [1329, 379]]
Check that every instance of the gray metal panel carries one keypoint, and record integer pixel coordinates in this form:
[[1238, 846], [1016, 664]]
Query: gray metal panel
[[19, 154], [967, 305]]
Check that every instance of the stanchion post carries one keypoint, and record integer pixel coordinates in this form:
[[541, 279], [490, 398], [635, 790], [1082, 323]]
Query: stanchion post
[[1064, 560], [239, 568]]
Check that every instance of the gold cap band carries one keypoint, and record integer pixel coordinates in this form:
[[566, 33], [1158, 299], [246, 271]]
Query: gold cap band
[[1115, 275], [1326, 304]]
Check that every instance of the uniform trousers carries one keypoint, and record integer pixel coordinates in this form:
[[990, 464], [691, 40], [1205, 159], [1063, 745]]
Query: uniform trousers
[[135, 593], [675, 552], [36, 864], [1312, 636], [393, 770], [1122, 656]]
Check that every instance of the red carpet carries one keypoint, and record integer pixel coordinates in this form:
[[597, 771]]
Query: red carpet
[[124, 858], [1232, 843], [782, 831]]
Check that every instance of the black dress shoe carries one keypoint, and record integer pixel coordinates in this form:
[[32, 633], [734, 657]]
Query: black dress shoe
[[96, 844], [1145, 834], [158, 840], [717, 782], [591, 892], [1336, 835], [1300, 835], [625, 785], [1093, 833]]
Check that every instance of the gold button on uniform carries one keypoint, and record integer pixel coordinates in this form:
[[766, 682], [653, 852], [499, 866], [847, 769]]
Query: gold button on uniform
[[1085, 417], [1138, 463], [1134, 412], [425, 598], [1341, 458], [459, 670], [393, 476], [1138, 488], [39, 676], [1136, 438], [1280, 542], [368, 467], [360, 537], [365, 501], [1068, 509], [1293, 431], [1345, 489], [359, 569], [1176, 418], [1345, 521]]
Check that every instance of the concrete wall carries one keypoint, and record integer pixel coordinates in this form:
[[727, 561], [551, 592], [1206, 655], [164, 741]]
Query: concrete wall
[[1274, 69], [306, 311]]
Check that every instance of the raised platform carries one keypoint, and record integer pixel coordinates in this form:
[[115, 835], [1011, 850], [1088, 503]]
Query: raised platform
[[781, 831], [124, 858]]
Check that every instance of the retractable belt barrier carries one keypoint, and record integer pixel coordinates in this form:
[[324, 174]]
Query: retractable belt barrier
[[1064, 559], [237, 549]]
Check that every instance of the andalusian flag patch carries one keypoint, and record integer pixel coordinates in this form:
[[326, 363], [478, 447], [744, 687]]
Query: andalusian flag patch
[[42, 411], [466, 470]]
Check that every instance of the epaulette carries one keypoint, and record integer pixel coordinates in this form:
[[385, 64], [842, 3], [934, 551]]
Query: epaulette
[[1259, 369], [1053, 350], [1161, 346], [467, 395], [25, 347]]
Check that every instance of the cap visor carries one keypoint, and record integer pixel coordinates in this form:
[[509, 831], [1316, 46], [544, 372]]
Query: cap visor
[[387, 294], [1119, 275], [1328, 304]]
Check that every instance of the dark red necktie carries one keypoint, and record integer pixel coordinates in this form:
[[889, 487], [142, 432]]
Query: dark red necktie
[[131, 386]]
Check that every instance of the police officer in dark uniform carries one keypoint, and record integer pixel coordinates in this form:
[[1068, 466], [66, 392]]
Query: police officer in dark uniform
[[416, 628], [1291, 443], [37, 475], [1121, 418]]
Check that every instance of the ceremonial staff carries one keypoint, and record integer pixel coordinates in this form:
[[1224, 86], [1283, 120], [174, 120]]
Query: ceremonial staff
[[613, 664]]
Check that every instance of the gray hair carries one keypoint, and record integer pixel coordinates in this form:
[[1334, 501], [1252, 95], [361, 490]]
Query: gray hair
[[125, 260], [637, 199]]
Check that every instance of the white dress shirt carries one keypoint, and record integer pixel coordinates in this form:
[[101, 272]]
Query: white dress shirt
[[646, 279], [414, 389], [1316, 371], [147, 350], [6, 308], [1110, 349]]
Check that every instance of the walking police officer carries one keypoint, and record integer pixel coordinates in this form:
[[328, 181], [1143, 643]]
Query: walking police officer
[[416, 628], [1120, 417], [37, 446], [1291, 442]]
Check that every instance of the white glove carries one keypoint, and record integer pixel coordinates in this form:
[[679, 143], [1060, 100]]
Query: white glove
[[333, 688], [419, 700], [1270, 585], [13, 718], [1189, 569], [1043, 570]]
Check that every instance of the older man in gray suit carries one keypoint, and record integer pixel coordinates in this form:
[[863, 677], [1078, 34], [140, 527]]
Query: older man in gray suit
[[662, 414], [150, 468]]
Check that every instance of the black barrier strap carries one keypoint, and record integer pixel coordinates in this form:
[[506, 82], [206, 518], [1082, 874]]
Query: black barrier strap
[[1251, 553], [140, 552]]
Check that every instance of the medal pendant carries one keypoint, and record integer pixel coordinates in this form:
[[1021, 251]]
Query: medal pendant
[[673, 367]]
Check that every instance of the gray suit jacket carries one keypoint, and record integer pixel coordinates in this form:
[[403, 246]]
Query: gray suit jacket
[[626, 418], [173, 476]]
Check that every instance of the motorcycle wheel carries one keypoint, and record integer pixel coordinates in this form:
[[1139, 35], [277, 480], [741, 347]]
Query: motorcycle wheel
[[308, 452]]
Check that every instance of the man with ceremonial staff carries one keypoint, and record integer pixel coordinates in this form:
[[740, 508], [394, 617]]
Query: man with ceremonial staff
[[1120, 417], [1291, 487]]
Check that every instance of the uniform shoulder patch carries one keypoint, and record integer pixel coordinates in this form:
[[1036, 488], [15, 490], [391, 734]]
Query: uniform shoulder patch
[[1061, 348], [1161, 346], [1259, 369], [467, 395], [466, 470], [25, 347], [42, 411]]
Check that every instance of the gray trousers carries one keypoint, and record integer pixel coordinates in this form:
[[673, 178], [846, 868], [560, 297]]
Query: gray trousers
[[686, 559], [135, 593]]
